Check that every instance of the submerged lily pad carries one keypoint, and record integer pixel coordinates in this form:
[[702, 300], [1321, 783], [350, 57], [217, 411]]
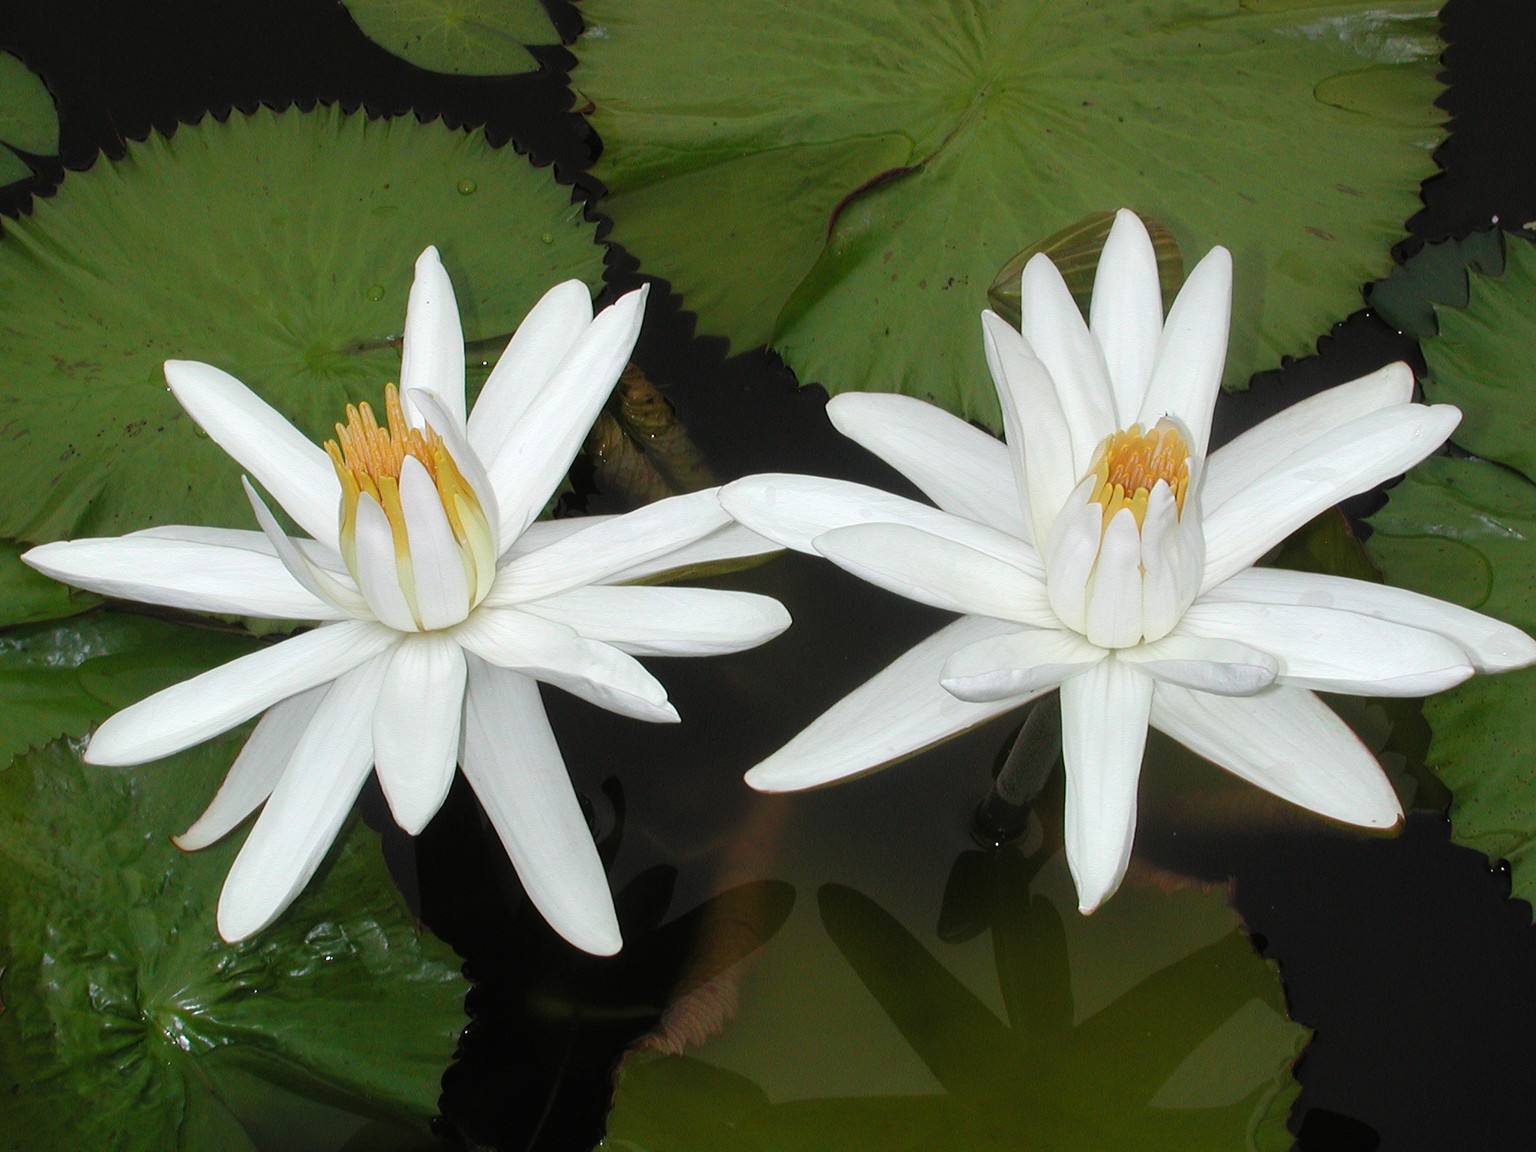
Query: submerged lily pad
[[278, 247], [1017, 1025], [1465, 530], [845, 186], [28, 120], [128, 1024], [463, 37]]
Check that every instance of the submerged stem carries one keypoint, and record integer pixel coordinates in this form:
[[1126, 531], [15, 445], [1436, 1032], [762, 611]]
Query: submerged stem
[[1004, 814]]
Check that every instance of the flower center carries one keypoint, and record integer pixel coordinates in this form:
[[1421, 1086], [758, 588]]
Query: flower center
[[371, 461], [1130, 462]]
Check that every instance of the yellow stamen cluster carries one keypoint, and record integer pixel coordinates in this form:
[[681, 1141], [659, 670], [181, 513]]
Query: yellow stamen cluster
[[1130, 463], [368, 459]]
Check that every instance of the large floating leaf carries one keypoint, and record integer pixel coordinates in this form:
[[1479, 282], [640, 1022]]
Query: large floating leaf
[[1153, 1026], [464, 37], [844, 185], [1465, 530], [61, 679], [28, 119], [278, 247], [129, 1025]]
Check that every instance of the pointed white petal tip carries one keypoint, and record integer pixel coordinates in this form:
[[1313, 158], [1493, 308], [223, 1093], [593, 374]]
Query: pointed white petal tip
[[428, 258]]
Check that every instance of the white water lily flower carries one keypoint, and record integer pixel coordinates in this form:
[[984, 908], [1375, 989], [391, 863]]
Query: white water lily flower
[[441, 603], [1099, 550]]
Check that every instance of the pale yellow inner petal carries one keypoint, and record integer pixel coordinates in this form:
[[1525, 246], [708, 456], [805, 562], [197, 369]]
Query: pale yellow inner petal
[[1130, 462]]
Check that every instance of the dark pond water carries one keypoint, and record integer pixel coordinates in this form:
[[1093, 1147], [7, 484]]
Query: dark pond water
[[1404, 955]]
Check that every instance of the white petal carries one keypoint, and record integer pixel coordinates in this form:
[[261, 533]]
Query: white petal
[[1071, 553], [249, 539], [442, 585], [1287, 742], [1103, 735], [1222, 666], [432, 350], [1492, 645], [1236, 465], [1058, 335], [733, 541], [898, 712], [1028, 661], [932, 570], [333, 590], [306, 809], [378, 571], [666, 621], [959, 467], [181, 574], [794, 510], [1114, 605], [416, 727], [610, 546], [1126, 315], [512, 762], [1193, 351], [468, 462], [542, 341], [1171, 576], [256, 770], [1034, 426], [1349, 459], [537, 451], [543, 533], [545, 650], [298, 473], [1335, 651], [190, 712]]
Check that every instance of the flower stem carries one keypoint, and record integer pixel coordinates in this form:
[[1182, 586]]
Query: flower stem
[[1003, 816]]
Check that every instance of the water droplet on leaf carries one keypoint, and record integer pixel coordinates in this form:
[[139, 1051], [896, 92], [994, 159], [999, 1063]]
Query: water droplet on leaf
[[375, 292], [466, 187]]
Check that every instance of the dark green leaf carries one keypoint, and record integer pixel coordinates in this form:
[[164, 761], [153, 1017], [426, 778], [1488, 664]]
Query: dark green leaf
[[28, 119], [846, 185], [277, 246], [463, 37], [1435, 274]]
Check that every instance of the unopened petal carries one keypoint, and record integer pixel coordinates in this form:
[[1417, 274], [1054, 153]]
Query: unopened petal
[[306, 809], [512, 762], [1287, 742], [1113, 614], [256, 770], [437, 563], [416, 727], [281, 458], [328, 587], [378, 571], [900, 711], [959, 467], [190, 712], [1103, 734], [1070, 555]]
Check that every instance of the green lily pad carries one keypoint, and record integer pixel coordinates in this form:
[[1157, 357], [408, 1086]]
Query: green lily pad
[[845, 185], [277, 246], [60, 679], [1463, 530], [1018, 1024], [28, 120], [27, 596], [128, 1024], [462, 37]]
